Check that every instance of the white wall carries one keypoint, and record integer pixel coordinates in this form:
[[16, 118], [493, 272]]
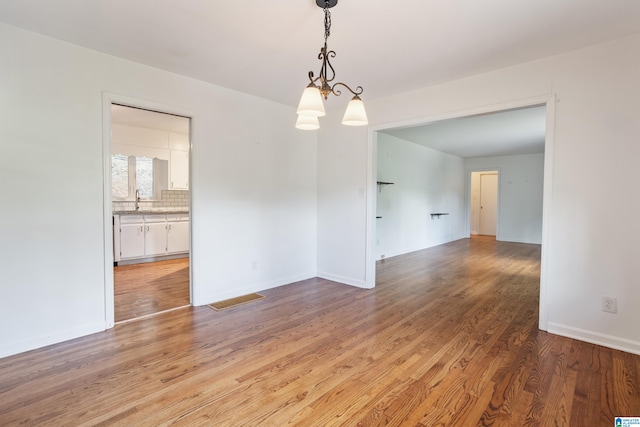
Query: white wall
[[253, 187], [520, 190], [342, 199], [425, 181], [591, 208]]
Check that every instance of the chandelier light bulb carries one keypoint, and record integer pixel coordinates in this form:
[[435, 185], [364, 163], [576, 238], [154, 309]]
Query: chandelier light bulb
[[311, 102], [307, 122], [355, 115]]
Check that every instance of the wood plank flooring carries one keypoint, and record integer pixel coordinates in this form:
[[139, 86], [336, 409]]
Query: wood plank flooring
[[447, 338], [151, 287]]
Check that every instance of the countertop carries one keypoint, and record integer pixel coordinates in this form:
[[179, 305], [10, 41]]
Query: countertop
[[141, 212]]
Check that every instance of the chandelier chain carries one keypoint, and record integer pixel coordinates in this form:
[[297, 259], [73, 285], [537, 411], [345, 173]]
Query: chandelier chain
[[327, 21], [324, 78]]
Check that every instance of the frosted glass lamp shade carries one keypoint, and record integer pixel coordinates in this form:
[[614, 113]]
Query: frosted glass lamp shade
[[307, 122], [311, 102], [355, 114]]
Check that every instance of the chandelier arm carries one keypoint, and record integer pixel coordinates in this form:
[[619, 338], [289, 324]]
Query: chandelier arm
[[338, 92], [326, 64], [312, 78]]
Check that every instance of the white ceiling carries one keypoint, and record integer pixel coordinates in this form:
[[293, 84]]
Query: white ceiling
[[512, 132], [266, 48]]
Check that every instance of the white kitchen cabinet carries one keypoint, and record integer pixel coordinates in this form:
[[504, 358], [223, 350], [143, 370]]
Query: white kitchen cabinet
[[155, 235], [150, 236], [131, 235], [177, 234], [135, 136], [179, 141], [179, 170]]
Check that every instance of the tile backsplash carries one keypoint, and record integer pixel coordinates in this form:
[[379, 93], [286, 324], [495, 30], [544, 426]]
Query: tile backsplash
[[172, 201]]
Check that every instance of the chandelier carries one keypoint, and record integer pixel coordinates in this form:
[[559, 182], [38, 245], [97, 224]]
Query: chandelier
[[311, 106]]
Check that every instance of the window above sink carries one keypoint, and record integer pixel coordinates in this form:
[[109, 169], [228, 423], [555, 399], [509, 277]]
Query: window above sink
[[149, 176]]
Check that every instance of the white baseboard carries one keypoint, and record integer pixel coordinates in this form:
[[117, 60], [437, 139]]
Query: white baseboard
[[517, 240], [152, 259], [431, 245], [256, 287], [604, 340], [9, 349], [344, 280]]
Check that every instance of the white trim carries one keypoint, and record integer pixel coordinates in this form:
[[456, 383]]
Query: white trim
[[604, 340], [255, 287], [433, 245], [147, 316], [113, 98], [55, 338], [345, 280], [547, 190], [467, 203], [549, 101], [144, 260], [107, 213], [370, 238], [516, 240], [484, 109]]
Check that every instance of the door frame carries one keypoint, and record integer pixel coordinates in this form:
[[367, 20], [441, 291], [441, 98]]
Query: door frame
[[468, 198], [549, 101], [107, 100]]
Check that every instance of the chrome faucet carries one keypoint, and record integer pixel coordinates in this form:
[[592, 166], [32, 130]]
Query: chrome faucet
[[137, 198]]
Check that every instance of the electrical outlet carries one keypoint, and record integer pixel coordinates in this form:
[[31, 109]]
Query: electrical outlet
[[609, 304]]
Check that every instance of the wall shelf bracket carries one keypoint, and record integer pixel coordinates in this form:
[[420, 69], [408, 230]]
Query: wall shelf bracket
[[382, 184], [438, 214]]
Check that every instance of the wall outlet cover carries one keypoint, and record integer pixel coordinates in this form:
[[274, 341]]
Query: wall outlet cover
[[609, 305]]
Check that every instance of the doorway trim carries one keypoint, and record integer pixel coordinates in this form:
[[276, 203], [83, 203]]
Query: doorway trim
[[549, 101], [467, 203], [108, 99]]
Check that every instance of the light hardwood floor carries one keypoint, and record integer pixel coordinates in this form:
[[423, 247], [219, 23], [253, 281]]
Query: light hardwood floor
[[151, 287], [448, 337]]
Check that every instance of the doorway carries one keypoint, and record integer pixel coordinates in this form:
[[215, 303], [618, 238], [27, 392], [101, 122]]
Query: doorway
[[548, 127], [149, 153], [483, 202]]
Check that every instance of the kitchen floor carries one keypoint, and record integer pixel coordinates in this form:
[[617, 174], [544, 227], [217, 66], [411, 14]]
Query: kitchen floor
[[152, 287]]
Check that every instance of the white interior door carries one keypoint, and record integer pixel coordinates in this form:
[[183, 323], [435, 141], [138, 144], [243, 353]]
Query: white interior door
[[488, 203]]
